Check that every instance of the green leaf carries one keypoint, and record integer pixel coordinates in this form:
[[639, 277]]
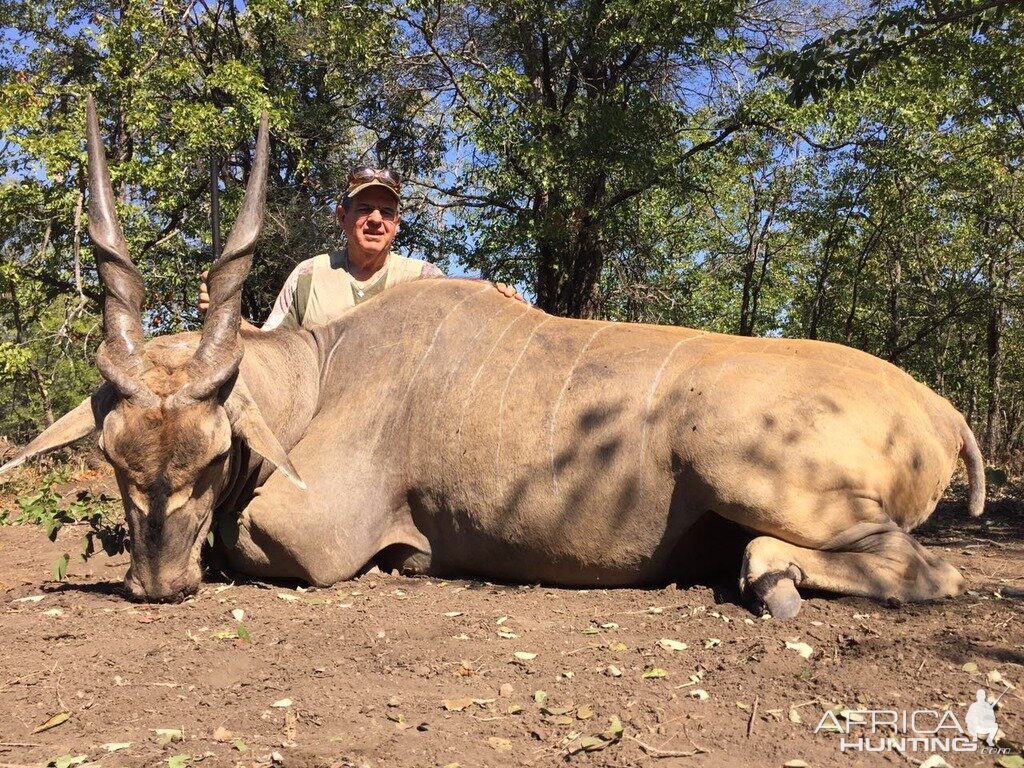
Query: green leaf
[[60, 567], [179, 761], [593, 743]]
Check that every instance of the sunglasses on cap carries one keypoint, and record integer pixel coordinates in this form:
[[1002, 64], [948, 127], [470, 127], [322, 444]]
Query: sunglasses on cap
[[364, 175]]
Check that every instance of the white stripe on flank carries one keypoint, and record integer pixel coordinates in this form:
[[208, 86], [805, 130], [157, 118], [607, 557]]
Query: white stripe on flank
[[480, 370], [430, 347], [465, 352], [558, 402], [433, 340], [337, 342], [508, 381], [652, 392]]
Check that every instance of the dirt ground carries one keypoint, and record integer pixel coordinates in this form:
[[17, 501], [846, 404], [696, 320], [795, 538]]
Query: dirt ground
[[390, 671]]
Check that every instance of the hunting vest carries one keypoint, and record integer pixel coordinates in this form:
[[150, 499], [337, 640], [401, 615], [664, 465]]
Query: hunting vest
[[328, 291]]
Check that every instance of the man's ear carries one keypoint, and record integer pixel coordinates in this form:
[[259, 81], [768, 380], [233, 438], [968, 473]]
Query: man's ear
[[247, 423], [85, 419]]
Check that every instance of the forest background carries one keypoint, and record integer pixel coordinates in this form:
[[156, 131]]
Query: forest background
[[830, 170]]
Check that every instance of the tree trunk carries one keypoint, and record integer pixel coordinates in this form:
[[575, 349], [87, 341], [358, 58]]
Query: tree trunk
[[998, 274], [758, 246], [571, 262], [746, 314], [862, 261], [569, 279], [895, 317]]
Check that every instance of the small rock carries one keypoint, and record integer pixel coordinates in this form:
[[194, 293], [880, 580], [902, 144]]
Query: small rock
[[506, 690]]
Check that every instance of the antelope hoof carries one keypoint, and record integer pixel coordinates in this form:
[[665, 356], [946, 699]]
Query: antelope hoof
[[776, 592]]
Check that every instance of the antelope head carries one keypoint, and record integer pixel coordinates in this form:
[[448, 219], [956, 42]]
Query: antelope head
[[168, 410]]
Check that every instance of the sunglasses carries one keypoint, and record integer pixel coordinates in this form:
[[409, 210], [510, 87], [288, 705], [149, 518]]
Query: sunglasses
[[364, 174]]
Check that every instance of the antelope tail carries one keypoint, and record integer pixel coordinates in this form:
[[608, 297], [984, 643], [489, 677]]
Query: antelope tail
[[975, 464]]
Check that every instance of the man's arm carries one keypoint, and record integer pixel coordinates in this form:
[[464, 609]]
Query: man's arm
[[285, 313]]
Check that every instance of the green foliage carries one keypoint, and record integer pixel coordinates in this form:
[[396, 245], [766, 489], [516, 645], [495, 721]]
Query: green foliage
[[996, 478], [175, 82], [571, 111], [890, 34], [912, 223], [619, 159], [40, 508], [43, 505]]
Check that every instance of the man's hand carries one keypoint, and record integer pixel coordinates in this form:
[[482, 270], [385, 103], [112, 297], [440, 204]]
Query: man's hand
[[204, 294], [509, 291]]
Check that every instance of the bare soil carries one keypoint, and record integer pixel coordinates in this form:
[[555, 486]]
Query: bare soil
[[391, 671]]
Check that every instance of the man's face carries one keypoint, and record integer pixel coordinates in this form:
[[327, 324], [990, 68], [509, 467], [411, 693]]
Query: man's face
[[371, 222]]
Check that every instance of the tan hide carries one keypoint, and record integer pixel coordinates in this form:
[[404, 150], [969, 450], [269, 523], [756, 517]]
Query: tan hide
[[491, 439], [248, 424]]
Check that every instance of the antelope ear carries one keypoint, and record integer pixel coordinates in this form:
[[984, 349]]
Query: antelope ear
[[248, 424], [72, 426]]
